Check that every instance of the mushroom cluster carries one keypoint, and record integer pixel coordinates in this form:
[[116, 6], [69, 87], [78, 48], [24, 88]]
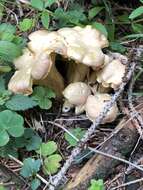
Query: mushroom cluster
[[88, 65]]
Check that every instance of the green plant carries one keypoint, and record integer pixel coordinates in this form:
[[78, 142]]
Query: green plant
[[26, 24], [10, 44], [29, 170], [51, 160], [96, 185], [77, 132], [11, 124], [42, 96]]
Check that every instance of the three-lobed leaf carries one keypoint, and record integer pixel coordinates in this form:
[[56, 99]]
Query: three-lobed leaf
[[43, 95], [20, 102], [30, 140], [30, 167], [52, 163], [4, 137], [26, 24], [77, 132], [35, 183], [11, 123], [96, 185], [47, 149]]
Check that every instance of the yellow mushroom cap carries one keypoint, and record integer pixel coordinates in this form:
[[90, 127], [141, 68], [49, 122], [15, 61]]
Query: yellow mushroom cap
[[95, 105], [112, 74], [77, 93]]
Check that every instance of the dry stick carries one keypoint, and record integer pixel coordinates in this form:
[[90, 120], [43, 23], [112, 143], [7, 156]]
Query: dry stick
[[127, 184], [57, 178], [116, 158], [37, 175]]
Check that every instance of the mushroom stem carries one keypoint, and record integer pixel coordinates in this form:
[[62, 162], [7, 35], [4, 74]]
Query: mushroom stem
[[54, 80], [76, 72]]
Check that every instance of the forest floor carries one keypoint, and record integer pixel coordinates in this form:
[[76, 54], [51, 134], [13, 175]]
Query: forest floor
[[114, 152]]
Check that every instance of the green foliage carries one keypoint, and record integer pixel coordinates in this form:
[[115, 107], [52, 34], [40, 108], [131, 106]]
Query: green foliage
[[2, 187], [9, 148], [37, 4], [43, 95], [20, 102], [50, 159], [73, 17], [41, 6], [30, 167], [77, 132], [136, 12], [96, 185], [9, 50], [26, 24], [52, 163], [14, 102], [100, 27], [116, 46], [11, 124], [45, 18], [35, 183], [137, 28], [47, 149], [30, 140], [94, 11]]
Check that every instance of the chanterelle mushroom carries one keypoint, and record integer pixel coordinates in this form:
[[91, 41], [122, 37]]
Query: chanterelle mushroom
[[112, 74], [95, 104]]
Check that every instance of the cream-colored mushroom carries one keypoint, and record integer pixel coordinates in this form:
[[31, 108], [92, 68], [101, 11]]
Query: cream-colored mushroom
[[112, 74], [95, 105], [83, 45], [76, 94], [33, 68]]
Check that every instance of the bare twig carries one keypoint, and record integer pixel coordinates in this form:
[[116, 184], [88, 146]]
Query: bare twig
[[116, 158], [127, 184]]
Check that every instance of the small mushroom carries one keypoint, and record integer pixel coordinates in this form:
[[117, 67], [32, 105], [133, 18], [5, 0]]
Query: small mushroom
[[95, 105], [76, 93], [112, 74]]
